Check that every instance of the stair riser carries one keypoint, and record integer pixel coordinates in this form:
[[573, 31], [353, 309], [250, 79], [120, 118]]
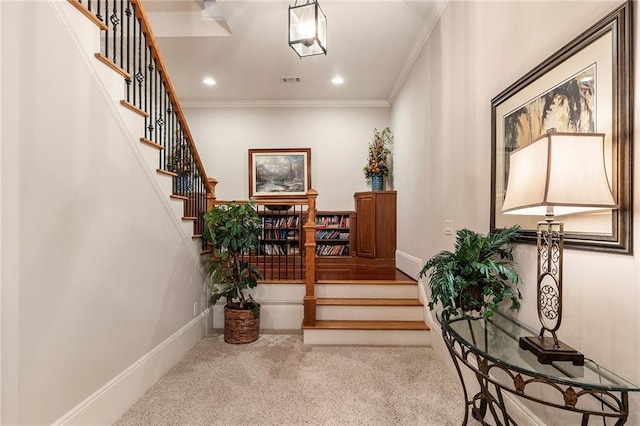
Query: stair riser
[[367, 337], [177, 206], [151, 156], [367, 291], [187, 226], [376, 313]]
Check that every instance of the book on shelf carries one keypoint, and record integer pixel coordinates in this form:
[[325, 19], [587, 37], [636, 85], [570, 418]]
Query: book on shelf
[[332, 250], [293, 250], [332, 221], [280, 221], [329, 235], [280, 234]]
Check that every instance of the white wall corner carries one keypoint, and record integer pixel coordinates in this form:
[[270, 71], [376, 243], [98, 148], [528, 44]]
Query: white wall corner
[[113, 399]]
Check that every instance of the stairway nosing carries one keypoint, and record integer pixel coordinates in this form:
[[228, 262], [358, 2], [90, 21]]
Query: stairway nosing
[[368, 301], [367, 282], [368, 325]]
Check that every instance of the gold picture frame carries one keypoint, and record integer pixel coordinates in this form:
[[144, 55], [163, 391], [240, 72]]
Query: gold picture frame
[[279, 173]]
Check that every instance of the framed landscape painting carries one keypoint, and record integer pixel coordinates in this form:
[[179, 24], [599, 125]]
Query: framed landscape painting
[[585, 87], [279, 173]]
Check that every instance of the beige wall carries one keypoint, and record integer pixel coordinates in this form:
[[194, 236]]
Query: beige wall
[[441, 119], [338, 138], [97, 271]]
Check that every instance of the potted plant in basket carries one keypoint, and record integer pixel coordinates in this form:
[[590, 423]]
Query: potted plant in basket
[[233, 230], [379, 161], [477, 276]]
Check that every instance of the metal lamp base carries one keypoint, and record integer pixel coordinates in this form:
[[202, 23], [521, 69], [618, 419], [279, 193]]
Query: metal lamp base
[[543, 348]]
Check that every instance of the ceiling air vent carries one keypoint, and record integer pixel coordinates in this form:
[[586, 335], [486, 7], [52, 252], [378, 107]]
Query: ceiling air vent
[[290, 79]]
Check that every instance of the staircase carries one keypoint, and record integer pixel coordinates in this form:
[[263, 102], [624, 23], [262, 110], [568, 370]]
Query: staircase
[[123, 53], [368, 312]]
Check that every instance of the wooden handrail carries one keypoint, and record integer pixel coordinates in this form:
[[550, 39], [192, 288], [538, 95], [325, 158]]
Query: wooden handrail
[[279, 201], [162, 70]]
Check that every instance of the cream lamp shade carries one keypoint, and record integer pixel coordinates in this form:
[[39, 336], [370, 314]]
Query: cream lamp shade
[[558, 174]]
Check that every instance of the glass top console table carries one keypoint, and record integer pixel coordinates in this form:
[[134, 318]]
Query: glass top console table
[[490, 349]]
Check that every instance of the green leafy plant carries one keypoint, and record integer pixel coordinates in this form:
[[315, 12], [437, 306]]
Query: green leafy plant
[[379, 160], [477, 276], [233, 230]]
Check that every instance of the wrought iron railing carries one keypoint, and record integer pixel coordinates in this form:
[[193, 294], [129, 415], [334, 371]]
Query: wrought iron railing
[[128, 44]]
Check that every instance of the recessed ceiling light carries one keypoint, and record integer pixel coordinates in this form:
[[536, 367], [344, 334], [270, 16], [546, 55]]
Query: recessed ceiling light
[[209, 81], [337, 80]]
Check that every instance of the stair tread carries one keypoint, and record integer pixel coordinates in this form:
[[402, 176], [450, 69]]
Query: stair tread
[[334, 301], [368, 282], [367, 325]]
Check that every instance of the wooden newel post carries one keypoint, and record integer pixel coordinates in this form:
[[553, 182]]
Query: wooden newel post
[[310, 261], [211, 195]]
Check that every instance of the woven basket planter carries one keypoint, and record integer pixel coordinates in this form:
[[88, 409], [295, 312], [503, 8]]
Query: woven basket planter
[[240, 326]]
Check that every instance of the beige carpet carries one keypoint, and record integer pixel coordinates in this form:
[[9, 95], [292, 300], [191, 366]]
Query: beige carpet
[[279, 381]]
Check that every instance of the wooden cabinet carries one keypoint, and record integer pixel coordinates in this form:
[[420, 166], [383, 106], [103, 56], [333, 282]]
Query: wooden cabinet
[[376, 230]]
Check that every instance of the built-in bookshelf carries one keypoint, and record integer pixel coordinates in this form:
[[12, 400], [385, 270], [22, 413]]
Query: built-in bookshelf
[[281, 233], [333, 233]]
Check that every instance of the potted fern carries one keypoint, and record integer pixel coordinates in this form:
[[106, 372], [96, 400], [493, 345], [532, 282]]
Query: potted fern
[[477, 276], [233, 230]]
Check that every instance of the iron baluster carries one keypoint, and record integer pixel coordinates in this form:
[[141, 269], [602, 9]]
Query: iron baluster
[[122, 34], [115, 21], [139, 75], [98, 15], [107, 32], [128, 61], [153, 86], [148, 87]]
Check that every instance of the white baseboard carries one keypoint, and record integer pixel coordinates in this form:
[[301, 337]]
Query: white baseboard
[[111, 401], [408, 264]]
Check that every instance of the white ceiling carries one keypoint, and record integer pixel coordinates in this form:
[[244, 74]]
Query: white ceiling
[[243, 46]]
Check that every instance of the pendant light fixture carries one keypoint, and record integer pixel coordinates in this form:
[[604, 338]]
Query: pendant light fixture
[[307, 29]]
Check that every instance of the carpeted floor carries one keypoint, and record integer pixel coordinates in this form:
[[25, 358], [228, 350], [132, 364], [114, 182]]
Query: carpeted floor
[[279, 381]]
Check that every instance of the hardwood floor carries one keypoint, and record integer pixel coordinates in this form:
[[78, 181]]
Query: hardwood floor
[[364, 274]]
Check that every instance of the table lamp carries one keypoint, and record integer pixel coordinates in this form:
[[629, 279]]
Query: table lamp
[[557, 174]]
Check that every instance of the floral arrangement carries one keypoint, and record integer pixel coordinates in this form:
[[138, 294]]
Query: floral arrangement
[[379, 161]]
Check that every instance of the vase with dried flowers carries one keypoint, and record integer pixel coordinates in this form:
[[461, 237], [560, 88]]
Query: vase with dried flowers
[[379, 162]]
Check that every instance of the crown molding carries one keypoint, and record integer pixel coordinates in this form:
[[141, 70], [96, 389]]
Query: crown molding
[[417, 49], [339, 103]]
